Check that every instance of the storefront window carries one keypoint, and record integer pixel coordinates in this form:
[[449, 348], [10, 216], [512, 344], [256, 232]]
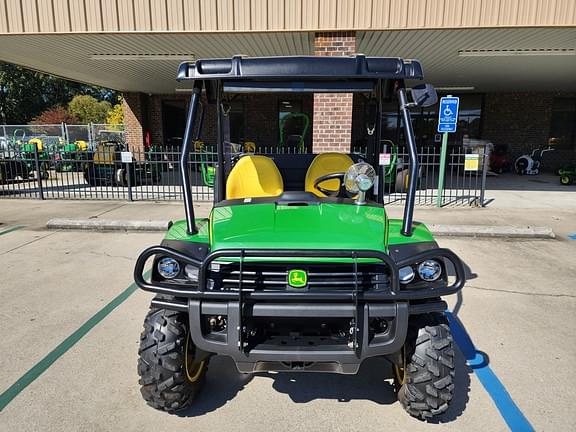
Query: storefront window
[[563, 123], [425, 122]]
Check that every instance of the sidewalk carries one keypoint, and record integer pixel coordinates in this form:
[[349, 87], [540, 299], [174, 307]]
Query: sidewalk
[[35, 214]]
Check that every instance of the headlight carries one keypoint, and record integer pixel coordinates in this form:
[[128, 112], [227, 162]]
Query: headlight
[[406, 275], [191, 272], [360, 177], [168, 268], [429, 270]]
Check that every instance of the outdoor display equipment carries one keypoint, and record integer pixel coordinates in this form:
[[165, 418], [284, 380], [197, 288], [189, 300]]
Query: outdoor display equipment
[[298, 267], [531, 164]]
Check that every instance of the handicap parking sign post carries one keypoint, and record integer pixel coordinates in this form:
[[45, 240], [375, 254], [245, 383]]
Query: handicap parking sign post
[[447, 121]]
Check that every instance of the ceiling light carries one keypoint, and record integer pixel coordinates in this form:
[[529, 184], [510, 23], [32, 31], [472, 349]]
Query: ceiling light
[[516, 52], [140, 56], [455, 88]]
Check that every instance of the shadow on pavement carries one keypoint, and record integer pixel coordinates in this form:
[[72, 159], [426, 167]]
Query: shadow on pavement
[[372, 383], [223, 383], [368, 384]]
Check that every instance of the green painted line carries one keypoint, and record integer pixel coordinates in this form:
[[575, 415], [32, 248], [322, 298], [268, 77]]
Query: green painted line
[[14, 228], [40, 367]]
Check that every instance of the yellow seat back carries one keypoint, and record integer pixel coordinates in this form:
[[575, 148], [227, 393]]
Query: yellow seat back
[[253, 177], [326, 163]]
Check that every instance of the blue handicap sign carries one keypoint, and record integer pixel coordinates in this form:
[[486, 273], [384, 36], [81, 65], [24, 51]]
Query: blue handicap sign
[[448, 114]]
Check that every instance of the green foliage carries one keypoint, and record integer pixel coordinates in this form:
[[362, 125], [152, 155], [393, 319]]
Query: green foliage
[[116, 114], [25, 94], [55, 115], [88, 109]]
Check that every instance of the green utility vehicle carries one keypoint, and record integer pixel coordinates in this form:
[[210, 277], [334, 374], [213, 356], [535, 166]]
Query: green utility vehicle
[[298, 268]]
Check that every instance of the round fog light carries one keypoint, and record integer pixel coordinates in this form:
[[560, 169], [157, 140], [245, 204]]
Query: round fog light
[[168, 268], [429, 270], [406, 275]]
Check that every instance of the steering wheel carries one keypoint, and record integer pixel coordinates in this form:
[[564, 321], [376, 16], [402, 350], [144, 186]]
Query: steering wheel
[[341, 192]]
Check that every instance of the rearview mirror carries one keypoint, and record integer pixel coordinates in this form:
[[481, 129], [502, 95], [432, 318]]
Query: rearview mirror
[[424, 95]]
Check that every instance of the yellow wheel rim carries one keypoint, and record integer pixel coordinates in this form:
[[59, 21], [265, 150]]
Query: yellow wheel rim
[[192, 373], [400, 374]]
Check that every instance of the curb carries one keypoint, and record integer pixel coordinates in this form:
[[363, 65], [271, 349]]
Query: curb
[[479, 231], [107, 225], [491, 231]]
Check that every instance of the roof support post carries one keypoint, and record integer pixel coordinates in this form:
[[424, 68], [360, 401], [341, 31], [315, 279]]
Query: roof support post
[[185, 155], [413, 169]]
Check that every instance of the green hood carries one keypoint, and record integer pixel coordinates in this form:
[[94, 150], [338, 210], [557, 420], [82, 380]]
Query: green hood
[[323, 226]]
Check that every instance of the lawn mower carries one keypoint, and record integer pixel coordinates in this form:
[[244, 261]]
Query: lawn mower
[[41, 145], [70, 156], [107, 168], [500, 159], [293, 130], [531, 164], [567, 175], [298, 268]]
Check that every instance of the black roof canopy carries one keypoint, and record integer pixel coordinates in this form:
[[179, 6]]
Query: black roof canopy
[[301, 68]]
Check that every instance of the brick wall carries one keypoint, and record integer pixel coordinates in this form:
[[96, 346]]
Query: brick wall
[[332, 121], [521, 120], [132, 106], [155, 120]]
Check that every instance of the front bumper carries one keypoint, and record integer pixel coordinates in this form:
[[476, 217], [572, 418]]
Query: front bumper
[[243, 308]]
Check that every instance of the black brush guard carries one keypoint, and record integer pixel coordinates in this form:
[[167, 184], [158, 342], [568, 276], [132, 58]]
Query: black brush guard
[[243, 305]]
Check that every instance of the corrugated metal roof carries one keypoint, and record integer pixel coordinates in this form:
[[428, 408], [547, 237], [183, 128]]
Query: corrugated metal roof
[[48, 16]]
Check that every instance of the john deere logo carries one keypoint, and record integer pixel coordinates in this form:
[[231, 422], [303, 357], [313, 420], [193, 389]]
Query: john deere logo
[[297, 278]]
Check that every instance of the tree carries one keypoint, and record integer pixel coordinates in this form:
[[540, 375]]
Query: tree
[[25, 94], [88, 109], [116, 114], [55, 115]]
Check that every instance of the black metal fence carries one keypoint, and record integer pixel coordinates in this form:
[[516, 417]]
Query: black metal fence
[[154, 175]]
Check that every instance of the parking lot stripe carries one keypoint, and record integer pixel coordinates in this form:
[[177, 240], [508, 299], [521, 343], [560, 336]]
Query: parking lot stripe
[[39, 368], [14, 228], [477, 361]]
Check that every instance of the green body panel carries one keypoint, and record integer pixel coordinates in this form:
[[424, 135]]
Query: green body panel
[[324, 226], [178, 232], [420, 233]]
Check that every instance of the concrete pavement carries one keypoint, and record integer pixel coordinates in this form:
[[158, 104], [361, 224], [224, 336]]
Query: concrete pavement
[[520, 314], [519, 311]]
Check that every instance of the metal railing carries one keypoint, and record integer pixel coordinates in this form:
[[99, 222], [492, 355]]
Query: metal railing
[[154, 175]]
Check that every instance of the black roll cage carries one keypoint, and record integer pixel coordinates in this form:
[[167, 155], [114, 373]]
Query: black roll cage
[[382, 77]]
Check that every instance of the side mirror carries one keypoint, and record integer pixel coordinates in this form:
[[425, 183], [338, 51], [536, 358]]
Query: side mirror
[[424, 95]]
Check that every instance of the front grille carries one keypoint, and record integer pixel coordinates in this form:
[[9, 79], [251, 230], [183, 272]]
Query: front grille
[[321, 277]]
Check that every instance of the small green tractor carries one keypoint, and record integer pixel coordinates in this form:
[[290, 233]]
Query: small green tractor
[[298, 268]]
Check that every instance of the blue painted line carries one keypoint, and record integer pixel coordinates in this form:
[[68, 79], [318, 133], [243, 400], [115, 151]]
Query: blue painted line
[[509, 411], [572, 236]]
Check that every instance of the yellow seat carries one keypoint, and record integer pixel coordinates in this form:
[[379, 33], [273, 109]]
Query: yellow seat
[[253, 177], [326, 163]]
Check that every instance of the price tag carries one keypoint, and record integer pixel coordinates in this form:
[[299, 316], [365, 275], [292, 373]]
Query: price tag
[[471, 162], [385, 159], [126, 157]]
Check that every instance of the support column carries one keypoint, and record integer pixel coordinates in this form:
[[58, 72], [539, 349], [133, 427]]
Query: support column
[[134, 120], [332, 122]]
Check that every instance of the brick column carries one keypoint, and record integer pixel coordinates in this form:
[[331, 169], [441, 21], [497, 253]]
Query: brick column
[[133, 120], [332, 122]]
